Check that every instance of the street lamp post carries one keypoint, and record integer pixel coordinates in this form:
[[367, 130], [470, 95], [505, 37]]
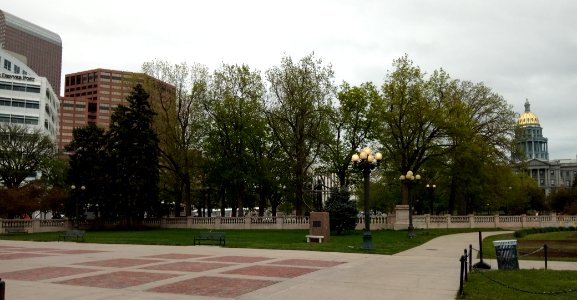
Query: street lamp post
[[409, 180], [73, 188], [366, 162], [431, 188]]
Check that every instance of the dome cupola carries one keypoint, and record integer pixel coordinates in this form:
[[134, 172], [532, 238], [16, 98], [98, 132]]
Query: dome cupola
[[527, 118]]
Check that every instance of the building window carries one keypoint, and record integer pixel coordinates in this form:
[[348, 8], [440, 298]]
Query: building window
[[33, 89], [4, 118], [7, 65], [32, 104], [16, 69], [5, 102], [18, 103], [19, 88]]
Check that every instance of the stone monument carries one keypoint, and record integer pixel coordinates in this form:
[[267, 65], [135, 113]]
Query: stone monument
[[319, 226]]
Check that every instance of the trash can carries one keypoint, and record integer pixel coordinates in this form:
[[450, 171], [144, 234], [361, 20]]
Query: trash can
[[506, 252]]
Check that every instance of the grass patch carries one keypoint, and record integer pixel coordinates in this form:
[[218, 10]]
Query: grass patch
[[562, 245], [384, 241], [521, 285]]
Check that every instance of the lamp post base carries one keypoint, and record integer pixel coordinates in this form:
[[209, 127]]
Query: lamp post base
[[412, 233], [367, 240]]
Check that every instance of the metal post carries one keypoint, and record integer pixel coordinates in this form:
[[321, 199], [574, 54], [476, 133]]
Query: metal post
[[462, 259], [465, 266], [545, 250], [470, 257], [367, 236], [2, 289], [411, 227], [481, 264]]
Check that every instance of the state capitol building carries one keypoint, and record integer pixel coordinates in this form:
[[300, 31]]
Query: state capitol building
[[549, 174]]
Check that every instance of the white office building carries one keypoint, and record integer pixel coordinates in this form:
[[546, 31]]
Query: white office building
[[26, 98]]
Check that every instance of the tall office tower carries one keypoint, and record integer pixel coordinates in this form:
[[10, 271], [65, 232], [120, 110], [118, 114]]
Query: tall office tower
[[38, 48], [90, 96], [26, 98]]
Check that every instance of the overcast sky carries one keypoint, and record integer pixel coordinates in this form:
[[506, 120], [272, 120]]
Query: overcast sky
[[521, 49]]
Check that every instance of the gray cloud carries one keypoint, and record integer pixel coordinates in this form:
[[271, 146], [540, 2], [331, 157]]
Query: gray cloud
[[521, 49]]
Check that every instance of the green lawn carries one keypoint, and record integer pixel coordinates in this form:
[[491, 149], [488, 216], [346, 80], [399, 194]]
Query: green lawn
[[521, 285], [385, 241], [562, 245], [527, 284]]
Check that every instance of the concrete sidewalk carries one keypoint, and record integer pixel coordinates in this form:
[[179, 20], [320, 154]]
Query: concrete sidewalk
[[53, 270]]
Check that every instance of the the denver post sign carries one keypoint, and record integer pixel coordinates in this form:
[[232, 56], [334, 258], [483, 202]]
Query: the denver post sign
[[17, 77]]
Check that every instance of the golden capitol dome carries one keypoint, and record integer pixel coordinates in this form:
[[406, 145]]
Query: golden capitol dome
[[528, 118]]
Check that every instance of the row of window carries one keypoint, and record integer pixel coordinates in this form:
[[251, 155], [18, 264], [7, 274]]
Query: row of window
[[19, 87], [18, 119], [8, 66], [94, 77], [19, 103]]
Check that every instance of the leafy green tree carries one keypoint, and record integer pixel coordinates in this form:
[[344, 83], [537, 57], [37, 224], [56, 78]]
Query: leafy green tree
[[180, 123], [416, 117], [352, 127], [297, 111], [134, 157], [342, 211], [23, 152], [237, 127]]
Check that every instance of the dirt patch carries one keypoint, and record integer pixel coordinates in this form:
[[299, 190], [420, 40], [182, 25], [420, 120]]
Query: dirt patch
[[555, 248]]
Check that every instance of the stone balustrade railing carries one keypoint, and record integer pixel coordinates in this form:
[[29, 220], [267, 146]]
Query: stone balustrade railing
[[393, 222]]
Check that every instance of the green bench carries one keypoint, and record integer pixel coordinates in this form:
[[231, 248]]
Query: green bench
[[210, 236], [15, 230], [72, 234]]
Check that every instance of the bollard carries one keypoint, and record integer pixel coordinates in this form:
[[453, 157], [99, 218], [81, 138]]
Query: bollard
[[481, 264], [463, 259], [470, 257], [465, 267], [545, 254], [2, 289]]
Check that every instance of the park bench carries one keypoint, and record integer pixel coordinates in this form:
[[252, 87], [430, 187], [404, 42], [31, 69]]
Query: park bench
[[210, 236], [15, 230], [72, 234], [315, 237]]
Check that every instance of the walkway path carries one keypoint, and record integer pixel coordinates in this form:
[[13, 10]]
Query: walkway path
[[53, 270]]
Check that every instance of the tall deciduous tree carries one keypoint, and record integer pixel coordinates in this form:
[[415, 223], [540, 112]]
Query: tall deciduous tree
[[23, 152], [237, 127], [297, 112], [483, 141], [180, 124], [352, 124], [133, 149], [416, 116]]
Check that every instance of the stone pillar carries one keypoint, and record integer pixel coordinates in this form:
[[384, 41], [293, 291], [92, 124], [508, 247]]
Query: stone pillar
[[319, 225], [401, 217]]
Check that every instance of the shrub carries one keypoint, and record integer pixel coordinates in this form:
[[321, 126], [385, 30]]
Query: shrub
[[342, 211]]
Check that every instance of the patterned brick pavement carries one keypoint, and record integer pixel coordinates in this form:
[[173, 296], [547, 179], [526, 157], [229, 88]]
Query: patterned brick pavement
[[117, 280], [187, 266], [119, 263], [44, 273], [238, 259], [272, 271], [176, 273], [214, 286]]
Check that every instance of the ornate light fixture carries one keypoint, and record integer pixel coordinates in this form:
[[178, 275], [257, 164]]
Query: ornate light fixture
[[366, 162], [409, 180]]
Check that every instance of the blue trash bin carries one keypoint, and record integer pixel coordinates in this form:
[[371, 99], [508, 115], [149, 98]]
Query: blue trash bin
[[506, 252]]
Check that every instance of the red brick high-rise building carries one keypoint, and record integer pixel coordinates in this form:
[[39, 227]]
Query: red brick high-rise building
[[90, 96], [38, 48]]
